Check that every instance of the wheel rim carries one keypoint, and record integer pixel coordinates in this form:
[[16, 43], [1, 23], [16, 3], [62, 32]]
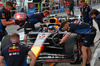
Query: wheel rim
[[75, 53]]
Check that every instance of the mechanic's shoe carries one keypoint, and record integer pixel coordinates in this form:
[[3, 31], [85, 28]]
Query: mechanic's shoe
[[88, 64], [77, 62]]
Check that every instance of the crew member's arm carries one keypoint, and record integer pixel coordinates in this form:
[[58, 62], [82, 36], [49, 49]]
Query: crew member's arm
[[12, 20], [33, 58], [5, 23], [65, 37], [1, 61], [81, 14]]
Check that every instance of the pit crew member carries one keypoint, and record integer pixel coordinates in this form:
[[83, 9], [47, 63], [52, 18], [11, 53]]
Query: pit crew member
[[81, 28], [85, 9], [95, 14], [5, 18], [34, 18], [15, 54]]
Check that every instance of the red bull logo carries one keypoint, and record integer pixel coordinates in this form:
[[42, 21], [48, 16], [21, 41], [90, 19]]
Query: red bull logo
[[14, 49]]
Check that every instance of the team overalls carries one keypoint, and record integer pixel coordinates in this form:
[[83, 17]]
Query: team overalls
[[85, 14], [4, 14], [15, 54], [85, 29], [33, 19]]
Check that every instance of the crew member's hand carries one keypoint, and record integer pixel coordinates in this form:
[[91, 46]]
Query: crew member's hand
[[11, 19], [14, 23]]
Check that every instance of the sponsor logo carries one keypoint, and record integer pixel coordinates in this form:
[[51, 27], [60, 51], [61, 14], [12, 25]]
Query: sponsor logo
[[77, 22], [28, 28], [85, 41], [14, 50], [3, 15], [14, 53], [14, 47]]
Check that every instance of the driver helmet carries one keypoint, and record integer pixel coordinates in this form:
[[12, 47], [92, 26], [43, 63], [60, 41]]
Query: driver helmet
[[51, 28]]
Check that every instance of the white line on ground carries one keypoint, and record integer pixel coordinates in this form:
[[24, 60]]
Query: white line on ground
[[94, 57]]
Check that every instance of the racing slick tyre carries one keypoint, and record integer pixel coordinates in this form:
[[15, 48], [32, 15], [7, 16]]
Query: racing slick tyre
[[5, 41], [71, 49]]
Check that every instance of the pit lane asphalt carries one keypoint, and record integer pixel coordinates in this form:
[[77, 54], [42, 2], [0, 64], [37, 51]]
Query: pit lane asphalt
[[13, 28]]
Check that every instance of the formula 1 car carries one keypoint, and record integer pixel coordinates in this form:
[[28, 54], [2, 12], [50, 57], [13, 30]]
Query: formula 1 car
[[43, 43]]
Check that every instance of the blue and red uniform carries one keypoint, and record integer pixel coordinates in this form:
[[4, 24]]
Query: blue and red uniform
[[4, 14], [85, 14], [37, 17], [84, 29], [33, 19], [15, 54]]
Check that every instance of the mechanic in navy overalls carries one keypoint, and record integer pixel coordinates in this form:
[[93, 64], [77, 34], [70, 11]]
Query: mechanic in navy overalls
[[85, 9], [33, 19], [81, 28], [95, 14], [15, 54], [5, 18]]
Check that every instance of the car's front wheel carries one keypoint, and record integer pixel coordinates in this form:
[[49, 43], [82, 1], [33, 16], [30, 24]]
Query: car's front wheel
[[5, 41], [71, 49]]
